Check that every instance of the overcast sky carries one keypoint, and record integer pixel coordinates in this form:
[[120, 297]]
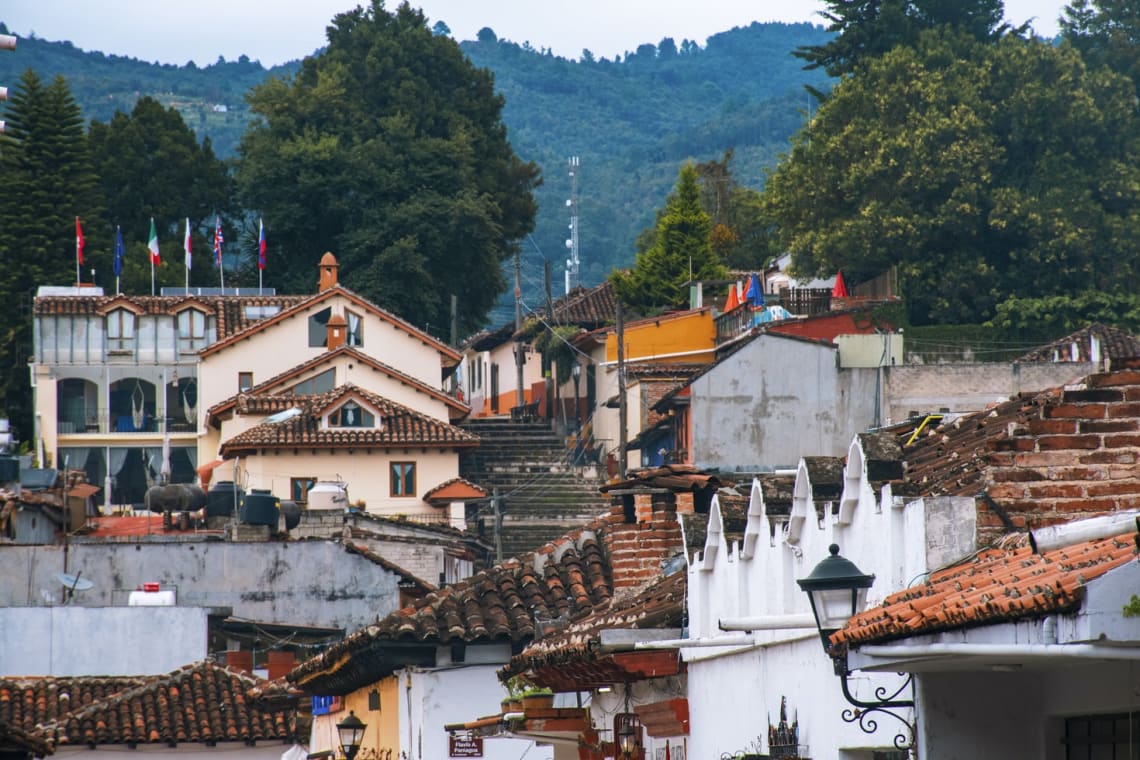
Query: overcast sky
[[284, 30]]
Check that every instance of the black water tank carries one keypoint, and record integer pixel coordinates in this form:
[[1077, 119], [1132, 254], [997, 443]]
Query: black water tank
[[292, 512], [261, 507], [220, 499], [9, 469]]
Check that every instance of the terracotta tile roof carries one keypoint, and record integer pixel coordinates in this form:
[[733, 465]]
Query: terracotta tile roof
[[674, 477], [305, 303], [591, 307], [565, 580], [995, 586], [230, 311], [456, 489], [659, 605], [16, 738], [1115, 345], [282, 379], [204, 703], [398, 425]]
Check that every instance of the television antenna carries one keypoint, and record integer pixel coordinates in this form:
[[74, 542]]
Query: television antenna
[[72, 583]]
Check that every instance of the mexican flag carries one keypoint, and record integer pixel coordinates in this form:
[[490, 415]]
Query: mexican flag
[[152, 244]]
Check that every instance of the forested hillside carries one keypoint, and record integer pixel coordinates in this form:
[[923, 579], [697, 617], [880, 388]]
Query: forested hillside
[[631, 122]]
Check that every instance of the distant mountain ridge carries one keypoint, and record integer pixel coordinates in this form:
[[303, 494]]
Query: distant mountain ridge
[[631, 123]]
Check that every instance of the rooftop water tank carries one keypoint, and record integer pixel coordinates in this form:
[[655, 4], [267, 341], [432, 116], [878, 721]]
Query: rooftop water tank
[[328, 494], [151, 595], [291, 510], [222, 498], [261, 507]]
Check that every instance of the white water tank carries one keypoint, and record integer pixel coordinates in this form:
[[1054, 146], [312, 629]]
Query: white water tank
[[151, 595], [328, 494]]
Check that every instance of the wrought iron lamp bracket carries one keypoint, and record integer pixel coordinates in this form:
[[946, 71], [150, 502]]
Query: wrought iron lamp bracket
[[887, 702]]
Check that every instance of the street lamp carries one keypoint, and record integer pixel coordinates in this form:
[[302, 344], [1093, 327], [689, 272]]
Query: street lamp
[[351, 732], [837, 591], [627, 733]]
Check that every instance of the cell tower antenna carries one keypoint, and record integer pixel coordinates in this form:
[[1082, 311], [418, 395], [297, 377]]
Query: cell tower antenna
[[572, 241]]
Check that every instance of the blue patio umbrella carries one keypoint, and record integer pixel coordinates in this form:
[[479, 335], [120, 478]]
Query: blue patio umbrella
[[755, 294]]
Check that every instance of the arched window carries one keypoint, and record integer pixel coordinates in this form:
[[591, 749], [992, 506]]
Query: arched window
[[191, 331]]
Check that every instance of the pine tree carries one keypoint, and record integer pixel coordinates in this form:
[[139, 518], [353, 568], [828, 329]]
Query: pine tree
[[676, 251], [48, 181]]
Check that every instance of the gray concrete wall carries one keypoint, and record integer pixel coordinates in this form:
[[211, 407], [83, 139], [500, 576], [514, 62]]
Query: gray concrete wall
[[927, 388], [313, 583], [100, 641], [776, 400]]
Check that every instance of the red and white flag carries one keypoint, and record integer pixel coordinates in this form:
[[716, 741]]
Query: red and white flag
[[78, 242]]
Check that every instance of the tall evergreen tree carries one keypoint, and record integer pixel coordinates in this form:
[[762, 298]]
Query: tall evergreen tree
[[48, 182], [388, 149], [677, 250], [866, 29]]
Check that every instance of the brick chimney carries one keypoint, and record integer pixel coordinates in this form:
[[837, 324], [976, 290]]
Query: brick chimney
[[337, 331], [240, 660], [328, 269], [637, 549]]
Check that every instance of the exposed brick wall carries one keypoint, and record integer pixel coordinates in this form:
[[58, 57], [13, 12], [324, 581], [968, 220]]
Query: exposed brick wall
[[1074, 458], [637, 550]]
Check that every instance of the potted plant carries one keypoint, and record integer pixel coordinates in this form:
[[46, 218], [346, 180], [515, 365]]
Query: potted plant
[[537, 699], [515, 687]]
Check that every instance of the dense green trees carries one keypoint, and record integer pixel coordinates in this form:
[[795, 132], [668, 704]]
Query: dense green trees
[[868, 29], [676, 250], [151, 165], [388, 149], [983, 171], [48, 181]]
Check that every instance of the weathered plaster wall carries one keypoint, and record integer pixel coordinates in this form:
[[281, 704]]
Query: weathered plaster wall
[[308, 583], [927, 388], [776, 400], [129, 641]]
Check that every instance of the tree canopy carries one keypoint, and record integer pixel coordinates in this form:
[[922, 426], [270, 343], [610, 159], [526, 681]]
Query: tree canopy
[[151, 165], [388, 149], [675, 251], [983, 171]]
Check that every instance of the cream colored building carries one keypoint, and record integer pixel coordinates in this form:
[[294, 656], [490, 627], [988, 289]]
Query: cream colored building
[[296, 389]]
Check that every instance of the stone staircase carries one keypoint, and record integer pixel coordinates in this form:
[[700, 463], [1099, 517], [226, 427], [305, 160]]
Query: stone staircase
[[545, 495]]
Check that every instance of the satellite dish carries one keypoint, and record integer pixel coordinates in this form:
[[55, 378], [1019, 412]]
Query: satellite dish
[[74, 582], [288, 414]]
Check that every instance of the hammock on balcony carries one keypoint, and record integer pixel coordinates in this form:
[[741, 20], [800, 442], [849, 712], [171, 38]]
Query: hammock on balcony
[[138, 406]]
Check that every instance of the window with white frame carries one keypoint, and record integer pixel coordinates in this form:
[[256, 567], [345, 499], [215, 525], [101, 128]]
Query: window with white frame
[[355, 336], [191, 331], [120, 330]]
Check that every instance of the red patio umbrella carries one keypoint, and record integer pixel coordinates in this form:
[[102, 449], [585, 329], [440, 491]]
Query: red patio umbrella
[[840, 289]]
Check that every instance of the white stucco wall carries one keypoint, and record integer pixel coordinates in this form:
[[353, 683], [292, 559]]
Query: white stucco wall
[[775, 400], [731, 695], [431, 699], [130, 641]]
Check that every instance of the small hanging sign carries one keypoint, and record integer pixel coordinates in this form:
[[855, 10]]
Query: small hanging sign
[[465, 746]]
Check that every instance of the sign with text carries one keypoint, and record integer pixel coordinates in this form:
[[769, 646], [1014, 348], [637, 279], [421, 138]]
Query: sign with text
[[465, 746]]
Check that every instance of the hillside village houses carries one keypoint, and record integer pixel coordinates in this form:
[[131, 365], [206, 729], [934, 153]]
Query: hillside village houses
[[673, 625]]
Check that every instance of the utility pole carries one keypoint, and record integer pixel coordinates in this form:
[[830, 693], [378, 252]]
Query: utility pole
[[519, 357], [622, 423], [498, 527], [547, 374]]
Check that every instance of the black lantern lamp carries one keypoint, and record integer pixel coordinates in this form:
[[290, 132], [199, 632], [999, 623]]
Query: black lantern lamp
[[837, 591], [627, 733], [351, 733]]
